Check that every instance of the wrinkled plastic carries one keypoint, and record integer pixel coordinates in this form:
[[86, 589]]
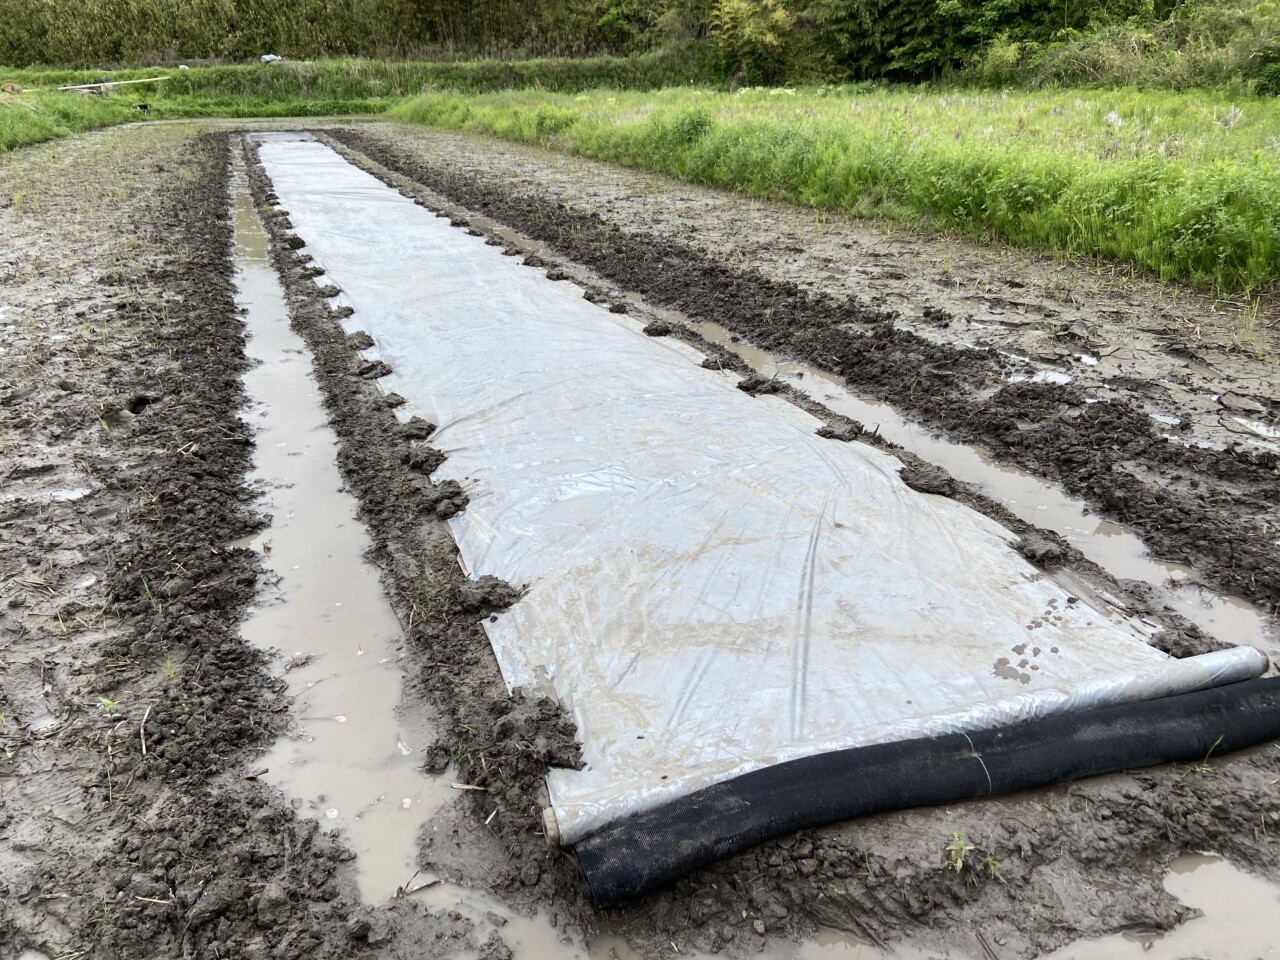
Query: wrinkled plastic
[[712, 587]]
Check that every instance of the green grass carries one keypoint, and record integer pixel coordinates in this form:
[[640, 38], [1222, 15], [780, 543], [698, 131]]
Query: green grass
[[369, 79], [1184, 185], [312, 89], [31, 118]]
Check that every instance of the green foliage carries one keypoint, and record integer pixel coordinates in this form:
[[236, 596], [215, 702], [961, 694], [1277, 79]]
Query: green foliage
[[1195, 43], [751, 35], [1183, 186], [322, 88], [28, 118], [97, 32], [348, 80], [957, 850], [866, 39], [627, 24], [1172, 43]]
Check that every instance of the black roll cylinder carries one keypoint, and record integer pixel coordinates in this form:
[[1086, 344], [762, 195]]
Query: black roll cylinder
[[646, 851]]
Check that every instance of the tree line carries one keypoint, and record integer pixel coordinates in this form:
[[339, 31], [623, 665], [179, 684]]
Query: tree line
[[751, 41]]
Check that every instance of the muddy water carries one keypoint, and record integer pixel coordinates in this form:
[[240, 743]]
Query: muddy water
[[1240, 921], [352, 761], [1031, 499]]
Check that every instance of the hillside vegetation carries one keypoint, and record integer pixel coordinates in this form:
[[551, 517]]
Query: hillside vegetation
[[1174, 43], [1144, 132]]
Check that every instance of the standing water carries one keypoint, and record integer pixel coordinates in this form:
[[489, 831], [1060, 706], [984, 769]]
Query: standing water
[[352, 762]]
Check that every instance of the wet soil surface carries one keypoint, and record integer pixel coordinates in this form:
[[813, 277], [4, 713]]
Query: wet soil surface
[[132, 711], [120, 597]]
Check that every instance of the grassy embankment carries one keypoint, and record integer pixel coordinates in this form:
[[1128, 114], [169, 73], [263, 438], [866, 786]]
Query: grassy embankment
[[1184, 185], [321, 88], [30, 118]]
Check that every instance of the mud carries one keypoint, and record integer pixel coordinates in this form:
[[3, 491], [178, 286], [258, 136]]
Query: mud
[[128, 463], [130, 700], [132, 709]]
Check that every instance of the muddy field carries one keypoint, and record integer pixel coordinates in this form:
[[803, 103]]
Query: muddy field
[[136, 546]]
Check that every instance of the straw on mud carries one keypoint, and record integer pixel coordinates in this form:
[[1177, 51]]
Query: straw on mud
[[142, 730]]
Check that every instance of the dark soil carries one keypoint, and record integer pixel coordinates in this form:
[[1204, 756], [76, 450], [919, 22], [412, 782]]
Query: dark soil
[[191, 856]]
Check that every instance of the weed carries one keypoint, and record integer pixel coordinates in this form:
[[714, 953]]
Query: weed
[[957, 850], [108, 706], [992, 865], [151, 597], [867, 871], [1204, 766]]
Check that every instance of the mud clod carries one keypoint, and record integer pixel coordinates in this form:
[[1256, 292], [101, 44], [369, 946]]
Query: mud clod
[[756, 385], [359, 340], [1041, 551], [424, 458], [484, 596], [843, 432], [925, 477], [658, 328], [373, 370], [416, 428], [273, 904]]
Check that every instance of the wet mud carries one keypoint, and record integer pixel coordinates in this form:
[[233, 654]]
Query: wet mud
[[129, 698], [134, 715], [127, 444]]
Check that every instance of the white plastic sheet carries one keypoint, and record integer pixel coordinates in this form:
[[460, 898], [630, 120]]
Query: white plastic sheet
[[712, 588]]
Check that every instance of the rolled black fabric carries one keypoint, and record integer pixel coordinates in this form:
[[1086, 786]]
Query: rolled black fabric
[[644, 852]]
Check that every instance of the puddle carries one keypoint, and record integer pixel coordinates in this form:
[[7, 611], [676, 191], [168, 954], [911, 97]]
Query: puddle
[[353, 761], [1241, 919], [67, 495], [1031, 499]]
